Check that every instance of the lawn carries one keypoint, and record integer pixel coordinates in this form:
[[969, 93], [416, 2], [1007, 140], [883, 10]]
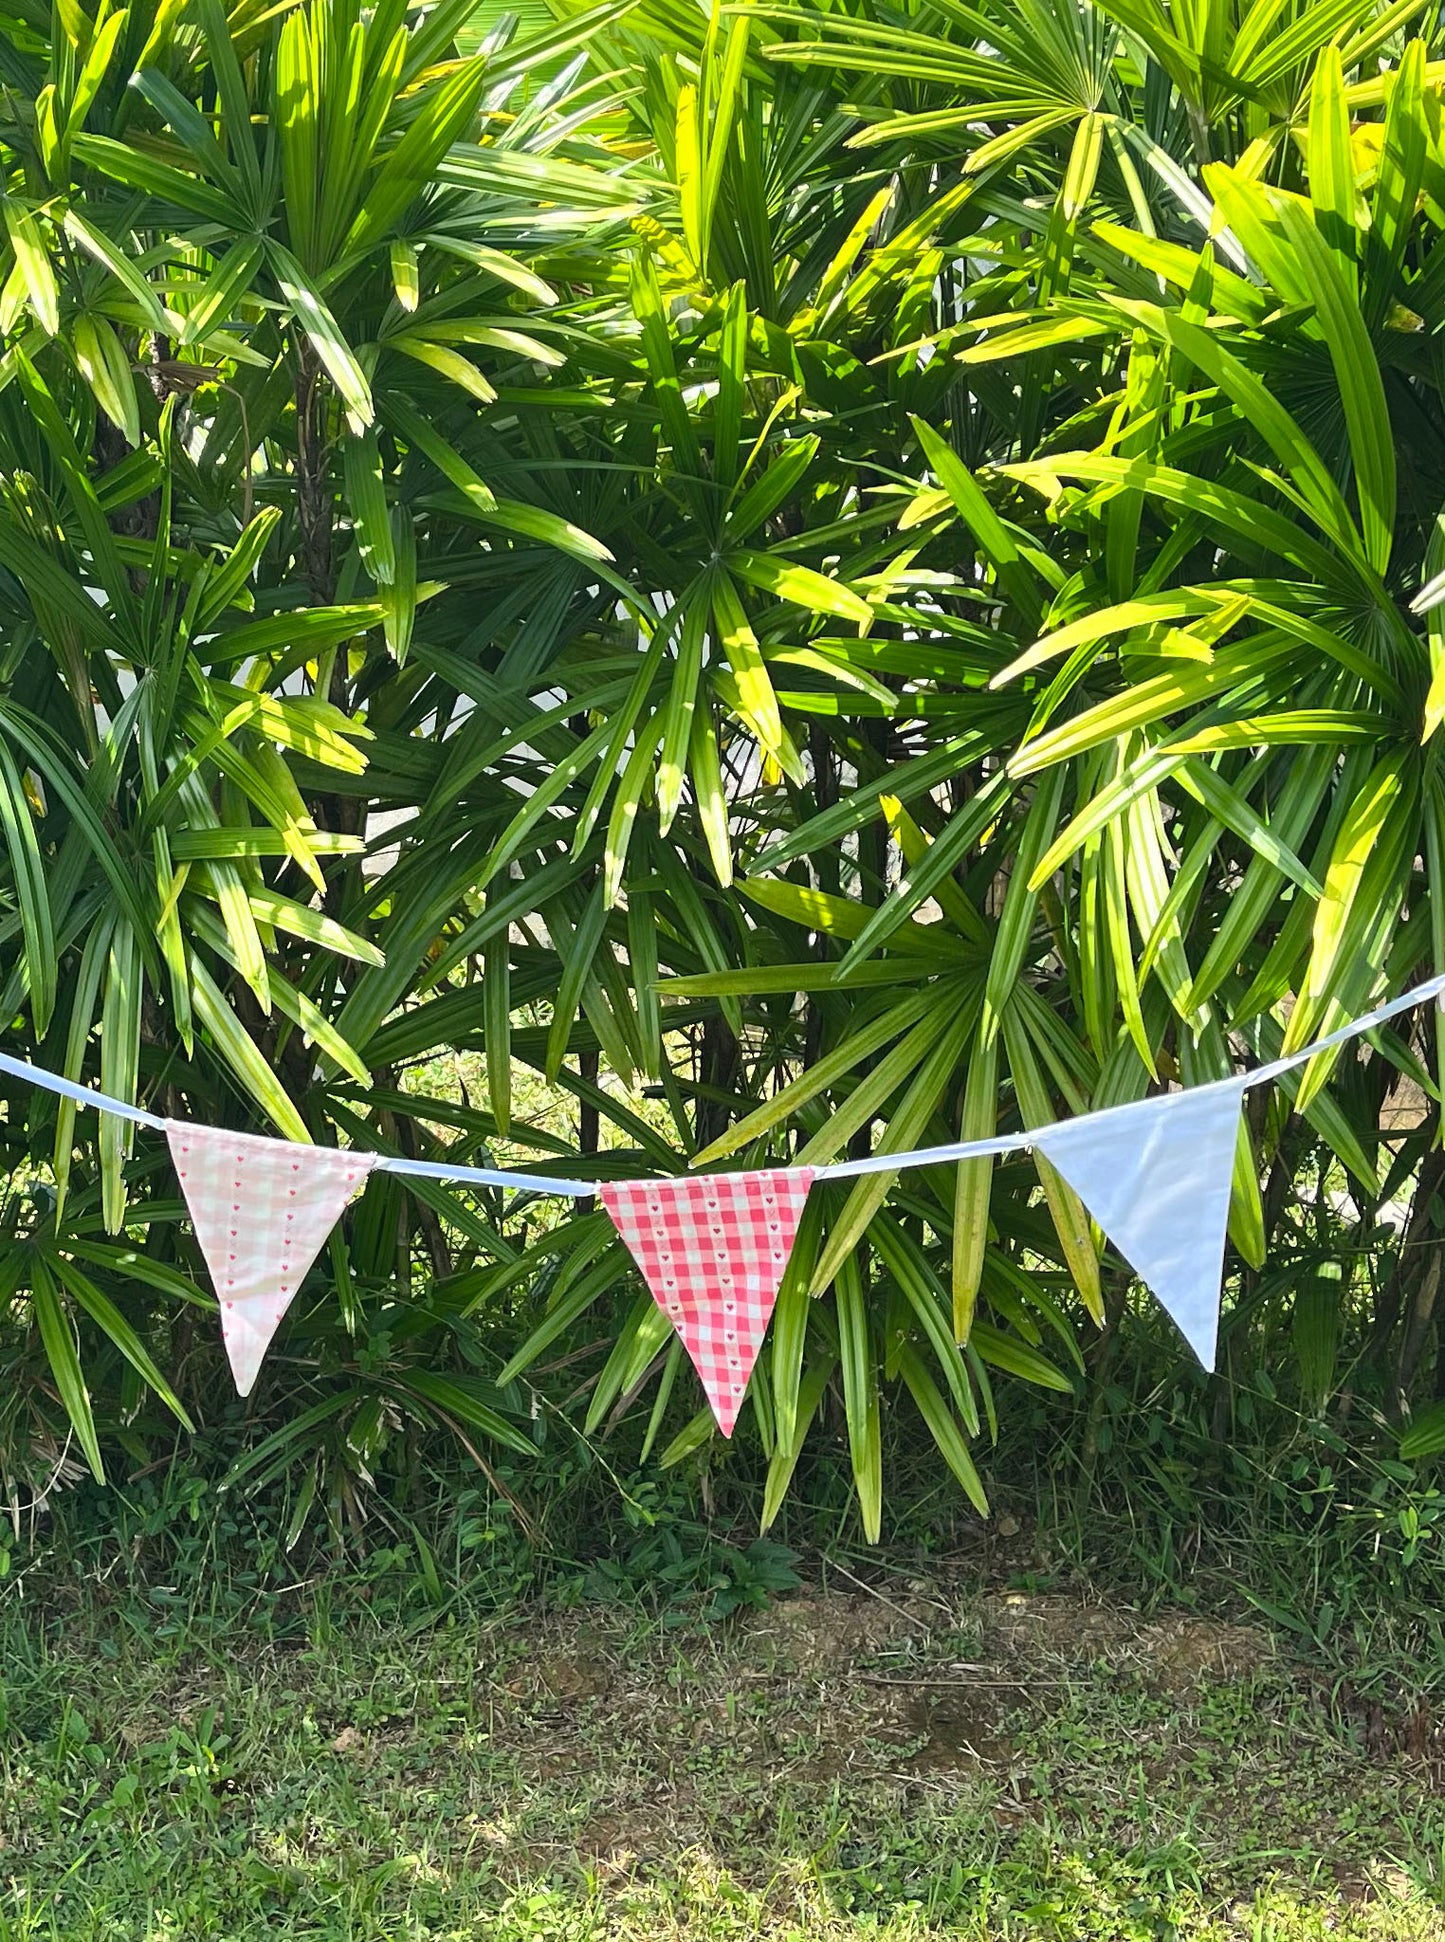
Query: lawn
[[909, 1756]]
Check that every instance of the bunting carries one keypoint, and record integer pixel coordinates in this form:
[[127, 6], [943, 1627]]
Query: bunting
[[261, 1210], [713, 1248], [1155, 1175]]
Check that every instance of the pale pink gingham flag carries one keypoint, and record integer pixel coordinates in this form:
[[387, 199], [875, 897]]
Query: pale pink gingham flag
[[712, 1248], [262, 1210]]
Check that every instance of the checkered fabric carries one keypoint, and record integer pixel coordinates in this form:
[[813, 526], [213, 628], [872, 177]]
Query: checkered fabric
[[712, 1248], [261, 1210]]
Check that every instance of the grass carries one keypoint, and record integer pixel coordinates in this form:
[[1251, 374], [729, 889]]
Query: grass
[[920, 1756], [1192, 1702]]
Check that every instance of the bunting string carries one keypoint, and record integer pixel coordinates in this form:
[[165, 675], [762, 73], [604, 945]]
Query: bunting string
[[1156, 1175], [881, 1162]]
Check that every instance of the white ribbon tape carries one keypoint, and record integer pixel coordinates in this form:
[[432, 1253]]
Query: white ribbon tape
[[1109, 1122]]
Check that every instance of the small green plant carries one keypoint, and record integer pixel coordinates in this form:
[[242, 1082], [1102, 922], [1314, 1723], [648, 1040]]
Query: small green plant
[[747, 1580]]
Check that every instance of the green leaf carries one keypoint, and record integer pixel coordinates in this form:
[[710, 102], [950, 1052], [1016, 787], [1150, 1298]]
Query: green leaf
[[103, 1311], [457, 1397], [241, 1054], [33, 264], [105, 369], [60, 1349], [1357, 373], [446, 113], [1358, 841], [336, 355], [300, 920], [859, 1366], [1332, 163], [973, 1179], [28, 885], [758, 702], [942, 1427], [451, 364], [800, 584]]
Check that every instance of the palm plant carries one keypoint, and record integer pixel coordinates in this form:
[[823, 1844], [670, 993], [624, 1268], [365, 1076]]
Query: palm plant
[[848, 569]]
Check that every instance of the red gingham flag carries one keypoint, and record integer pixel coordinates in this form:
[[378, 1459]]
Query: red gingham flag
[[262, 1210], [712, 1248]]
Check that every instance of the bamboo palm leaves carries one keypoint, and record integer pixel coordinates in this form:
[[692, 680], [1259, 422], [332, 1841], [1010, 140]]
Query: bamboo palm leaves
[[1333, 637], [1242, 707], [194, 335], [877, 577]]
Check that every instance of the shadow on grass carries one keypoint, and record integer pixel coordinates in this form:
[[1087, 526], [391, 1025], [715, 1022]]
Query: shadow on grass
[[842, 1764]]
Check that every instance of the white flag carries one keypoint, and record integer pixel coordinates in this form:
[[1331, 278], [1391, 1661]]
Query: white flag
[[262, 1210], [1156, 1177]]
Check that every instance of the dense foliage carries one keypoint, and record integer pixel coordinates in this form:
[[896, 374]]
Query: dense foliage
[[817, 579]]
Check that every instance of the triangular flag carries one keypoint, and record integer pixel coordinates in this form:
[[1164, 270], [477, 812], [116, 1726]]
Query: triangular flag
[[1156, 1176], [712, 1248], [262, 1210]]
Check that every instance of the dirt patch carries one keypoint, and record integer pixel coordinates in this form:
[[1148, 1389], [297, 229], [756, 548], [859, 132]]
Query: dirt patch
[[1052, 1625], [1182, 1651], [566, 1677], [555, 1673], [818, 1633], [963, 1729], [624, 1843], [1392, 1735], [1177, 1651], [931, 1699]]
